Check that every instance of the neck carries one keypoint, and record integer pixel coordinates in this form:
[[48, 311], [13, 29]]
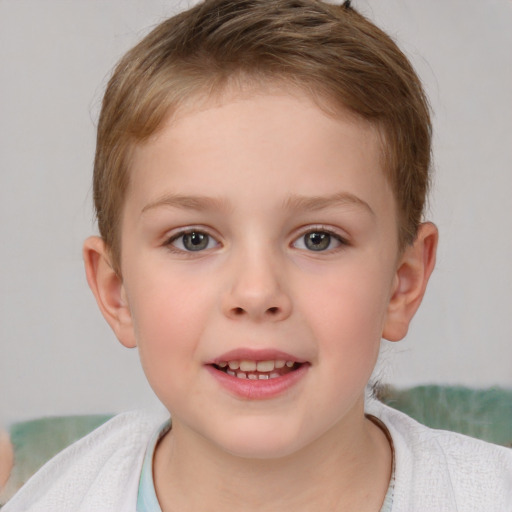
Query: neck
[[347, 469]]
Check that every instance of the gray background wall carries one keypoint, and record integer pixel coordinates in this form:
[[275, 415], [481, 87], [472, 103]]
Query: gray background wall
[[57, 356]]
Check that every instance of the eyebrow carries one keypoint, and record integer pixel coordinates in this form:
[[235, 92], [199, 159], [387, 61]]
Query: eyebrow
[[314, 203], [294, 202], [198, 203]]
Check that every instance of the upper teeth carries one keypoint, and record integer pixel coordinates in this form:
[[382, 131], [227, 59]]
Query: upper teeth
[[251, 366]]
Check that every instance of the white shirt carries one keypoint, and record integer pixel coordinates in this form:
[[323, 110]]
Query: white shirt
[[435, 471]]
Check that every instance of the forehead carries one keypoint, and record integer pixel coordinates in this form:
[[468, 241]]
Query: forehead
[[229, 143]]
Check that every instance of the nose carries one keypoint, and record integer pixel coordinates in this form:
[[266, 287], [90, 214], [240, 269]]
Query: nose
[[256, 290]]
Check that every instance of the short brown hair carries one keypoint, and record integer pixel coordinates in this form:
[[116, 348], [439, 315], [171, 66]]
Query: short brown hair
[[329, 50]]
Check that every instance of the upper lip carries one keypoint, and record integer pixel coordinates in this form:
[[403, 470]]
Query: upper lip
[[250, 354]]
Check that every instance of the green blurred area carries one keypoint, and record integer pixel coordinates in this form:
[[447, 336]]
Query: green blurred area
[[37, 441], [482, 413]]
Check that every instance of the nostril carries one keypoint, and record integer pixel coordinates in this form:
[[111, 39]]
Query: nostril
[[238, 311], [273, 310]]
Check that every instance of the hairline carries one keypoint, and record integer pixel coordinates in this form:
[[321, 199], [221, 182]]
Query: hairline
[[238, 85]]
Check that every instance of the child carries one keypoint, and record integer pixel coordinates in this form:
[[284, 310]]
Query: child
[[260, 178]]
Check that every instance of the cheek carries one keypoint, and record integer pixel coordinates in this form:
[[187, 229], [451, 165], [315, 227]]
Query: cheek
[[347, 309], [168, 316], [161, 300]]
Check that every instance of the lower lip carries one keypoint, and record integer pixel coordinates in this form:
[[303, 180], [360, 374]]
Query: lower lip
[[263, 389]]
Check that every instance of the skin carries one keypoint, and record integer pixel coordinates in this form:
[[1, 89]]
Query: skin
[[6, 458], [273, 168]]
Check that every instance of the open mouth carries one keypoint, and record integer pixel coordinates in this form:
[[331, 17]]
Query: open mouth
[[257, 370]]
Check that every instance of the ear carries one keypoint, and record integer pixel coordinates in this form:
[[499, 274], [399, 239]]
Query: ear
[[412, 275], [108, 289]]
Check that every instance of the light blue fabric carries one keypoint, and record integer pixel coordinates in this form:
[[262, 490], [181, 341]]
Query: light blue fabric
[[146, 497], [148, 502], [387, 506]]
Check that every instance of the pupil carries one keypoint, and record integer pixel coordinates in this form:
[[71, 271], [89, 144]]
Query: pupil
[[195, 241], [318, 241]]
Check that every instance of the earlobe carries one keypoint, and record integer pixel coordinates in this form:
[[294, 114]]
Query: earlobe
[[411, 278], [108, 289]]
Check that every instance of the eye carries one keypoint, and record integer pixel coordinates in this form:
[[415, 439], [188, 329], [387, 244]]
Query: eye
[[318, 240], [193, 241]]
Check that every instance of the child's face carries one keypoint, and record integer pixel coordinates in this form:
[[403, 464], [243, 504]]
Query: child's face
[[258, 229]]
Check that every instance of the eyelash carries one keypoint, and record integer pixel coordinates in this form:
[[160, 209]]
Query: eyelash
[[342, 242], [322, 230], [189, 231]]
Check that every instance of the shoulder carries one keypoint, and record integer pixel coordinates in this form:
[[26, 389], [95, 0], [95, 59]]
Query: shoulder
[[95, 472], [441, 470]]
